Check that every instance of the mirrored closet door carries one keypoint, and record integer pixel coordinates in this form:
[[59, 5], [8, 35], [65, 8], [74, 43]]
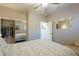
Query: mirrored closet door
[[8, 30]]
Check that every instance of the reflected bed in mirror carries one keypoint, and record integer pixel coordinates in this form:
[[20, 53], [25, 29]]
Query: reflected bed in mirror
[[20, 31]]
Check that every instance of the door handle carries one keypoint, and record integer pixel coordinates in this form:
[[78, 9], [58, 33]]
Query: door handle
[[50, 33]]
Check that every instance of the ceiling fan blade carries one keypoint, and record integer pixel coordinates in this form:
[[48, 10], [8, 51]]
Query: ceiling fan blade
[[37, 6], [55, 3]]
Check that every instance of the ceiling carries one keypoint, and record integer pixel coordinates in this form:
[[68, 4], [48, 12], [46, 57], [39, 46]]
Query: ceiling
[[18, 6], [25, 7]]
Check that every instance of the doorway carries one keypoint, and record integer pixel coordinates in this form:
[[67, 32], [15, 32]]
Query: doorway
[[46, 31]]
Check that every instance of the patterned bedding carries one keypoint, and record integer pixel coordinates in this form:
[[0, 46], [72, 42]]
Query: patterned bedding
[[38, 48]]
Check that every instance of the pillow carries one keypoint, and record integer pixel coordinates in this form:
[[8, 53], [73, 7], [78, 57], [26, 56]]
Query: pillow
[[76, 43], [3, 45]]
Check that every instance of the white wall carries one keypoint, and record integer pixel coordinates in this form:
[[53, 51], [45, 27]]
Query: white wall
[[66, 36], [34, 20]]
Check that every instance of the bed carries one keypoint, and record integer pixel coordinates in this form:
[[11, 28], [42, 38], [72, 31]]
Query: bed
[[34, 48], [74, 46]]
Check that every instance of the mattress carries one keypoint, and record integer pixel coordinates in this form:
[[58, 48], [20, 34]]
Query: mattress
[[38, 48]]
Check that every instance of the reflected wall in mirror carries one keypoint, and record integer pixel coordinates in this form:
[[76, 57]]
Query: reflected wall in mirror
[[20, 27], [64, 23]]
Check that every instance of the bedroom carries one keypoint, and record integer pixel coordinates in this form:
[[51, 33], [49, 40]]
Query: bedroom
[[30, 18]]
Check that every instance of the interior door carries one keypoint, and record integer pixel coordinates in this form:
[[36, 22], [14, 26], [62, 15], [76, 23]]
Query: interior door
[[49, 31], [46, 31]]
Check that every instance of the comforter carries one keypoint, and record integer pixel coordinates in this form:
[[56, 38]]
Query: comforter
[[38, 48]]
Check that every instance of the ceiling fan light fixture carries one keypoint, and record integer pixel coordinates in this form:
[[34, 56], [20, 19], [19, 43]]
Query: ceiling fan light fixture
[[44, 4]]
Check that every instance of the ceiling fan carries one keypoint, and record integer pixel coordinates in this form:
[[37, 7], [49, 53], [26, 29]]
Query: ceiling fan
[[45, 5]]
